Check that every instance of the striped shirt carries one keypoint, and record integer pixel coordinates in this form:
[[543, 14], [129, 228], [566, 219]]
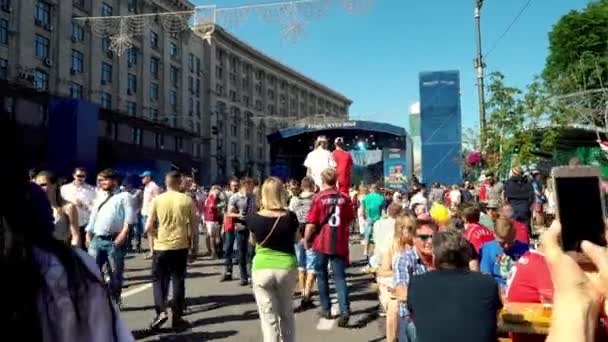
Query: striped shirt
[[406, 265]]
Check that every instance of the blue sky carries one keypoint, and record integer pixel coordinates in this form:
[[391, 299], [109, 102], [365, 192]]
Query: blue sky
[[375, 57]]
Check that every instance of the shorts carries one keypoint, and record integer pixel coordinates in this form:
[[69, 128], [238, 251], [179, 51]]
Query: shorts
[[306, 258], [213, 228]]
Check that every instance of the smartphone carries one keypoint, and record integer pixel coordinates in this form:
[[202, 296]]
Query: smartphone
[[580, 205]]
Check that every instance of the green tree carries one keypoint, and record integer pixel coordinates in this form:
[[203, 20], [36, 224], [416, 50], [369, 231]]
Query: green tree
[[520, 123], [578, 50]]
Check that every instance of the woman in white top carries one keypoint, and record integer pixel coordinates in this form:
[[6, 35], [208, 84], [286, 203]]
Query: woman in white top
[[318, 160], [53, 292], [64, 214]]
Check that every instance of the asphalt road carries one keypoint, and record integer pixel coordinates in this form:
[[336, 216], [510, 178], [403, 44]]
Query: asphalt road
[[227, 311]]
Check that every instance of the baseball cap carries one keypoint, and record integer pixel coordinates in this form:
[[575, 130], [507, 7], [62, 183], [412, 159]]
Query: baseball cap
[[146, 174]]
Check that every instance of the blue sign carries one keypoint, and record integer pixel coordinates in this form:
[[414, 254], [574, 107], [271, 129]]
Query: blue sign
[[395, 169]]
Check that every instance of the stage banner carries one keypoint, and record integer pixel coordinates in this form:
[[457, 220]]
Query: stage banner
[[395, 166]]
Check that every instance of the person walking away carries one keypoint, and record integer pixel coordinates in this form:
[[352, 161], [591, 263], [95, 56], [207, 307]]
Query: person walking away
[[406, 264], [436, 194], [499, 256], [274, 268], [467, 194], [65, 214], [108, 230], [471, 317], [135, 230], [519, 193], [326, 233], [344, 165], [300, 205], [82, 195], [372, 210], [151, 190], [539, 198], [474, 232], [212, 220], [318, 160], [404, 230], [455, 196], [240, 205], [172, 219], [494, 191]]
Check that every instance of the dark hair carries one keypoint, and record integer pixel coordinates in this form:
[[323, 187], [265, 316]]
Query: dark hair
[[471, 214], [429, 223], [108, 173], [307, 183], [80, 168], [22, 238], [245, 181], [59, 201], [451, 250]]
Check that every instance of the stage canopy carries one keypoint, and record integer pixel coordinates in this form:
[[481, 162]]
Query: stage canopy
[[370, 126]]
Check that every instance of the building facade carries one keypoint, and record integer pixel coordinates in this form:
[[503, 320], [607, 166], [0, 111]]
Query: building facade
[[252, 95], [172, 96], [440, 127]]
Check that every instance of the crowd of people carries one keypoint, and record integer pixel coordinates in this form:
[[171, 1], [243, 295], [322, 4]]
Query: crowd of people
[[446, 259]]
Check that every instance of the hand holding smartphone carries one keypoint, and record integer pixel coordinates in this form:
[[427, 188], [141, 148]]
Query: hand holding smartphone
[[580, 206]]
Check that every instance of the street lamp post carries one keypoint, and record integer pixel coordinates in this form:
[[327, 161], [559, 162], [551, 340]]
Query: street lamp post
[[479, 67]]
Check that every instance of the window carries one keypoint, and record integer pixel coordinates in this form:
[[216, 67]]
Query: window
[[105, 43], [3, 69], [173, 100], [42, 47], [132, 84], [198, 65], [153, 113], [219, 90], [153, 91], [248, 152], [75, 90], [173, 75], [218, 72], [173, 50], [154, 67], [42, 13], [233, 148], [131, 108], [106, 10], [106, 101], [233, 130], [191, 62], [179, 144], [246, 100], [233, 96], [198, 109], [197, 91], [77, 62], [132, 56], [136, 136], [260, 153], [41, 80], [258, 89], [271, 109], [106, 73], [190, 106], [271, 94], [77, 32], [112, 130], [3, 31], [132, 5], [160, 140], [191, 84], [153, 40]]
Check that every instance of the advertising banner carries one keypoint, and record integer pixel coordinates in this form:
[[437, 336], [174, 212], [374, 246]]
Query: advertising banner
[[395, 166]]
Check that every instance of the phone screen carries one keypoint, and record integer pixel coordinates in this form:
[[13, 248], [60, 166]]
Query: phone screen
[[579, 206]]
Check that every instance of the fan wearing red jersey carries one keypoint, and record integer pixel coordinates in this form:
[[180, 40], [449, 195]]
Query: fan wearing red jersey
[[344, 165], [328, 222], [474, 232]]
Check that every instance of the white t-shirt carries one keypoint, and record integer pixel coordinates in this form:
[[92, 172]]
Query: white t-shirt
[[317, 161], [455, 197]]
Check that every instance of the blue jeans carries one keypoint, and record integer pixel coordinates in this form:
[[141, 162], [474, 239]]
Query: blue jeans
[[338, 266], [244, 250], [407, 330], [228, 238], [306, 258], [105, 252]]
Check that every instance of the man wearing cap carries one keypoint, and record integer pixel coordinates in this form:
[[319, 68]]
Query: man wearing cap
[[151, 190], [318, 160], [344, 165], [519, 193]]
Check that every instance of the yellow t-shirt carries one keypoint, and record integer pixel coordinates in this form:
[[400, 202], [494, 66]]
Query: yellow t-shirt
[[174, 212]]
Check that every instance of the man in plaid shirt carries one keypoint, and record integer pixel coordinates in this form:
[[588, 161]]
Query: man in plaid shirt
[[415, 261]]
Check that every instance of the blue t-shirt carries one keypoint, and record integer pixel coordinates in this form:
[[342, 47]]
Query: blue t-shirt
[[497, 262]]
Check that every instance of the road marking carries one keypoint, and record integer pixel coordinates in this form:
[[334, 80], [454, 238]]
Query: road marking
[[136, 290]]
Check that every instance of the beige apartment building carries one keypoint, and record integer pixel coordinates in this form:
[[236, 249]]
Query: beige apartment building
[[171, 94]]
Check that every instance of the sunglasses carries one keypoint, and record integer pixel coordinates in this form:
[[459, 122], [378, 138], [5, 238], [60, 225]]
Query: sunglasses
[[425, 237]]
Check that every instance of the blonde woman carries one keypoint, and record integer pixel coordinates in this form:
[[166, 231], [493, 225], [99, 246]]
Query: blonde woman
[[64, 213], [405, 227], [274, 231]]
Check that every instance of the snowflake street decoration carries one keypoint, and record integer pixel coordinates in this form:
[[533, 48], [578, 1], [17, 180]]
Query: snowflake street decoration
[[291, 15]]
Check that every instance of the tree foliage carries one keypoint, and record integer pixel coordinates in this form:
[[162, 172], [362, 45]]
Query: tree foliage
[[578, 50], [520, 123]]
